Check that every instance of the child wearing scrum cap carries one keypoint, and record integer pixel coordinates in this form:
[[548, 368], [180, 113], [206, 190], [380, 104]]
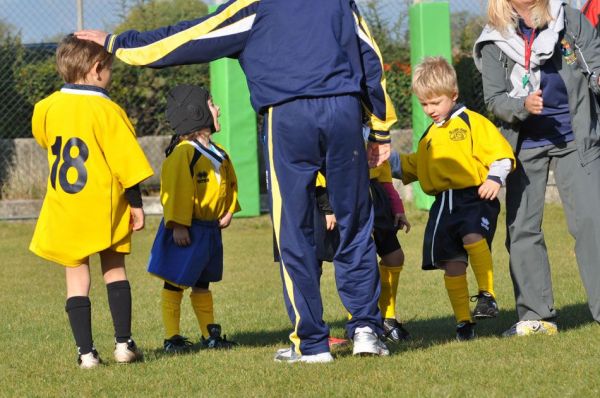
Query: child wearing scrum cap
[[199, 196]]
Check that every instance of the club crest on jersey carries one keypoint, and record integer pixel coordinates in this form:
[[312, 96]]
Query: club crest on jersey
[[202, 177], [458, 134]]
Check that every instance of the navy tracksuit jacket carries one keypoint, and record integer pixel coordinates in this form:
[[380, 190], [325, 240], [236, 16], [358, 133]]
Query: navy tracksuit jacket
[[316, 74]]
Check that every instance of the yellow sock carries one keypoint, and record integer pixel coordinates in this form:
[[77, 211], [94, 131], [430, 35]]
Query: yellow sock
[[458, 292], [389, 287], [171, 311], [481, 262], [203, 308]]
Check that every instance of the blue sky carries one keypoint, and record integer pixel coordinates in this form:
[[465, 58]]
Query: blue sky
[[40, 20]]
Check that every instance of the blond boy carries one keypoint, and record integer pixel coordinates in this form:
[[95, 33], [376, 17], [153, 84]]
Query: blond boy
[[462, 159]]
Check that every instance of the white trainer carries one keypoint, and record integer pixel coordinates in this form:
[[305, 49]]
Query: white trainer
[[89, 360], [526, 328], [290, 356], [127, 352], [366, 342]]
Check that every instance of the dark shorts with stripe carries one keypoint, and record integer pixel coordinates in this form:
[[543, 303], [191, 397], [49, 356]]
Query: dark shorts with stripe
[[454, 214]]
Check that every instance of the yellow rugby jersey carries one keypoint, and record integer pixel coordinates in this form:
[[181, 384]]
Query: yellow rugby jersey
[[456, 154], [382, 173], [197, 183], [93, 155]]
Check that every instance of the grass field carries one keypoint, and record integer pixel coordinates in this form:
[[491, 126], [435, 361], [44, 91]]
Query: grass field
[[37, 353]]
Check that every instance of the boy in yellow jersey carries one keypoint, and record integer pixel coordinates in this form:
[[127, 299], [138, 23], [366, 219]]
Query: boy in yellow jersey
[[93, 201], [463, 160], [199, 198]]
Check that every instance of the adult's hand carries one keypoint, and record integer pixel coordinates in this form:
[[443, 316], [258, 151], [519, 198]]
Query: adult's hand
[[377, 153], [534, 102], [97, 36]]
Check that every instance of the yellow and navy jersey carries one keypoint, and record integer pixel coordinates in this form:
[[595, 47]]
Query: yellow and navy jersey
[[456, 154], [93, 155], [198, 183], [335, 53]]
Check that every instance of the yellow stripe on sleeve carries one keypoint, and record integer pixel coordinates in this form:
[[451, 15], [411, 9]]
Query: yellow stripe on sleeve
[[155, 51]]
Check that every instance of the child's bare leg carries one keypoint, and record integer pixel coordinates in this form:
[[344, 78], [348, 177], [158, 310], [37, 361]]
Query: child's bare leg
[[78, 280], [113, 266], [78, 306], [119, 293]]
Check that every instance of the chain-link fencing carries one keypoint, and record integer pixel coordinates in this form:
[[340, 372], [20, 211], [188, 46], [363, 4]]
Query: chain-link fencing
[[30, 29]]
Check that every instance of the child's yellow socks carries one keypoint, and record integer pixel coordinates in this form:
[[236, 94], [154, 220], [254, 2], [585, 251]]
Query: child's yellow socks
[[480, 258], [171, 311], [389, 288], [203, 308], [458, 292]]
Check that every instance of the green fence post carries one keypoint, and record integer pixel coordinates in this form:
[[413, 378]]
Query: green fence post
[[238, 129], [429, 36]]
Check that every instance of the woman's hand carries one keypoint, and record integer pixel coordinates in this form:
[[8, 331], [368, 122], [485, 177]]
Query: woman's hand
[[534, 103]]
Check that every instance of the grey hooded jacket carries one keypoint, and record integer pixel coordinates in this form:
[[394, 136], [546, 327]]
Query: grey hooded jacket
[[580, 78]]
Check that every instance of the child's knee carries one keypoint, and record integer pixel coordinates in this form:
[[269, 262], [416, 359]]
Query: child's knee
[[469, 239], [393, 259], [454, 268]]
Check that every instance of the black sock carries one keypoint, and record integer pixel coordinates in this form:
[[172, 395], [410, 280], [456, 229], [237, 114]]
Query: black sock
[[79, 310], [119, 301]]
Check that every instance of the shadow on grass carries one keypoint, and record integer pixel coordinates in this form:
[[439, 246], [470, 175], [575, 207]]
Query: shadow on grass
[[426, 333]]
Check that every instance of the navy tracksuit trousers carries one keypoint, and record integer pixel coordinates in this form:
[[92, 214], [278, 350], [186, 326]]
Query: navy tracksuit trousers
[[302, 137]]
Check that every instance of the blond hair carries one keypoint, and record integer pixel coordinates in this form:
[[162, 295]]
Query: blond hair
[[502, 15], [433, 77], [75, 58]]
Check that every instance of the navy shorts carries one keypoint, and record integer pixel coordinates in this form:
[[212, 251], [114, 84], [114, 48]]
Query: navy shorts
[[201, 261], [454, 214], [386, 241]]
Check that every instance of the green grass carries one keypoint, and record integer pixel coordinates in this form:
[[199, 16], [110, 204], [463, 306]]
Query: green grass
[[37, 353]]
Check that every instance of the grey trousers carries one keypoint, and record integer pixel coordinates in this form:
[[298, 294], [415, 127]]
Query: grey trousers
[[579, 189]]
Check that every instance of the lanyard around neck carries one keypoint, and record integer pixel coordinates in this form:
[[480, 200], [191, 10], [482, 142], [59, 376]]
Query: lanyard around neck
[[528, 47]]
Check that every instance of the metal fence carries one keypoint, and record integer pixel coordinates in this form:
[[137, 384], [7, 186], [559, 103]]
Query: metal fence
[[29, 30]]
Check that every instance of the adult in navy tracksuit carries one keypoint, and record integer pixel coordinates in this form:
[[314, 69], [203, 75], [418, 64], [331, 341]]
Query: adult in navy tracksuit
[[315, 73]]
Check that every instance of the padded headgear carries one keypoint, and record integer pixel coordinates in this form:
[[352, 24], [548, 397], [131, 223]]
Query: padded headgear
[[187, 109]]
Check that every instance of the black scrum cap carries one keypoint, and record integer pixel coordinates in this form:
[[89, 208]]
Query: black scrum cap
[[187, 109]]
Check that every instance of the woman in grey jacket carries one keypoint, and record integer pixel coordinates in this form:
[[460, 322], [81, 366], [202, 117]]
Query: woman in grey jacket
[[539, 61]]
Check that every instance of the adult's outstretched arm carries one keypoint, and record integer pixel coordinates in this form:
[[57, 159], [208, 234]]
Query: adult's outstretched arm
[[220, 34]]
